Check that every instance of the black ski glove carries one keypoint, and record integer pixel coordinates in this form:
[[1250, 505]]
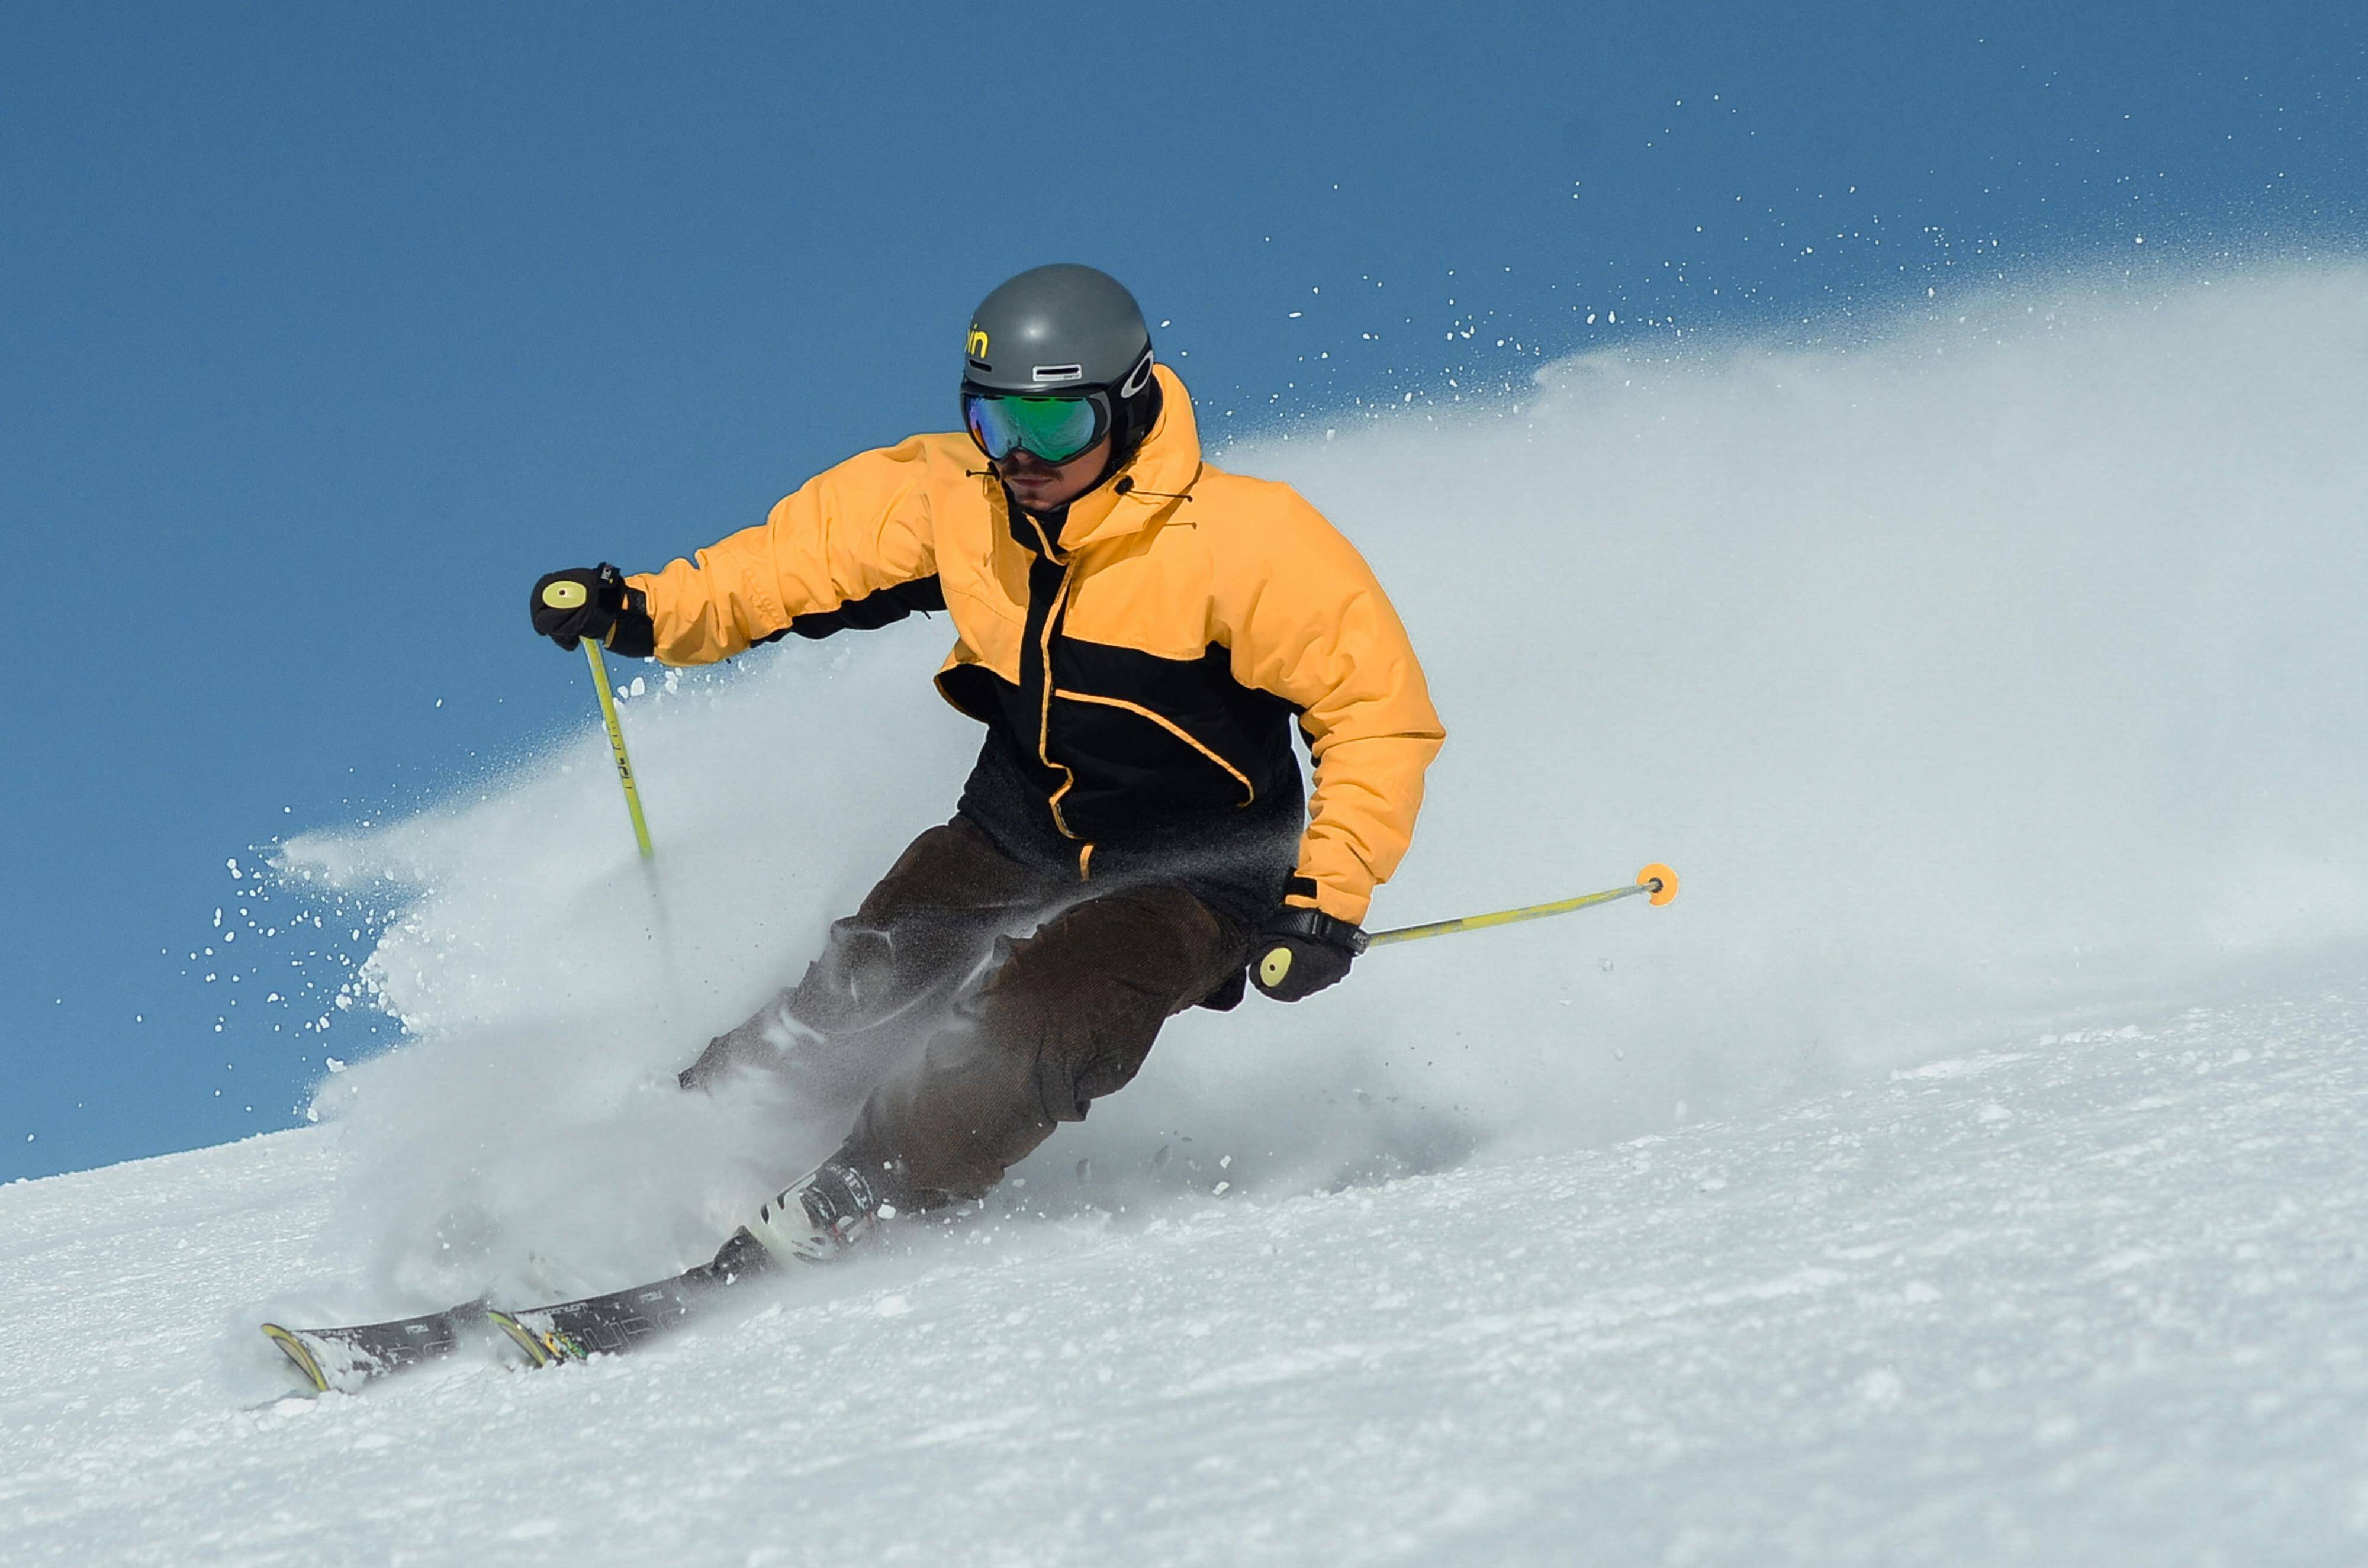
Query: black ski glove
[[593, 601], [1300, 951]]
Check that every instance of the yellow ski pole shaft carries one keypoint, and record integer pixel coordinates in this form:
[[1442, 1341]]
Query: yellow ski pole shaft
[[617, 744], [1657, 883]]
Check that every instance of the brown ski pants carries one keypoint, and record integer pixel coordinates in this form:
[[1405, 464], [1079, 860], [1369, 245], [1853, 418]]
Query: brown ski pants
[[974, 1002]]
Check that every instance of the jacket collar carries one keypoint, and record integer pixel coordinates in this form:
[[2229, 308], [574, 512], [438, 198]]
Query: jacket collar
[[1159, 476]]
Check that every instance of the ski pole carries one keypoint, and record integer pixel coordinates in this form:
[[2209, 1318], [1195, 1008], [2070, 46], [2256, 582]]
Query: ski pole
[[661, 926], [1655, 882], [617, 744]]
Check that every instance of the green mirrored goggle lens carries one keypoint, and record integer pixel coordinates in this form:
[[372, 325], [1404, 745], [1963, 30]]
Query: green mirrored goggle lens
[[1054, 428]]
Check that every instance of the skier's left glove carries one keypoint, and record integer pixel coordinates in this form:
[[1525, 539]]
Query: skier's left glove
[[1300, 951], [594, 602]]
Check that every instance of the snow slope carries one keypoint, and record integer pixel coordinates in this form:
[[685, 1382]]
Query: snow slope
[[2095, 1298], [1962, 1170]]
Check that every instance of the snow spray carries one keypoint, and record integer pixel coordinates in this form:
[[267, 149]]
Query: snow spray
[[1999, 658]]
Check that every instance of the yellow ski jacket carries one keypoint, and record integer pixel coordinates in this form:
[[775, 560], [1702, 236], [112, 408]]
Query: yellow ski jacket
[[1144, 662]]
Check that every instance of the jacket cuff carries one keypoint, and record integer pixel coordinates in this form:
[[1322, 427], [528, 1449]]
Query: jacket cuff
[[1303, 891], [634, 635]]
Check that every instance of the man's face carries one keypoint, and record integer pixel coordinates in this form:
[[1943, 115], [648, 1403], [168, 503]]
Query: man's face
[[1039, 486]]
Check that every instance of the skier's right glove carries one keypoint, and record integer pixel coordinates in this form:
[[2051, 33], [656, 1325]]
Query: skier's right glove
[[595, 602], [1300, 951]]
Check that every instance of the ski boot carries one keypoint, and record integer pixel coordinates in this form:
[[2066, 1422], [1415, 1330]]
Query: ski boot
[[828, 1210]]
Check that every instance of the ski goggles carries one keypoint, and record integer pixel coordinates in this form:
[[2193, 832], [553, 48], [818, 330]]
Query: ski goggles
[[1054, 428]]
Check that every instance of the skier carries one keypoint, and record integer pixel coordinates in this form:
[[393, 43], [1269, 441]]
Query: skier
[[1138, 630]]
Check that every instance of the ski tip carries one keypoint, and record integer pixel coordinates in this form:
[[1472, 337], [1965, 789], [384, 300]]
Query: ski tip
[[296, 1351], [1661, 879]]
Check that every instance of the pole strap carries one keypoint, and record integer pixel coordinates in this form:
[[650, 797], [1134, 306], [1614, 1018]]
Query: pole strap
[[616, 745]]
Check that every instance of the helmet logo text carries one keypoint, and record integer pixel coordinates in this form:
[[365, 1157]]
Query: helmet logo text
[[1137, 376], [977, 342]]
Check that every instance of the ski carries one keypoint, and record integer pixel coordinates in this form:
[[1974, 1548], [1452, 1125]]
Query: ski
[[620, 1321], [345, 1358]]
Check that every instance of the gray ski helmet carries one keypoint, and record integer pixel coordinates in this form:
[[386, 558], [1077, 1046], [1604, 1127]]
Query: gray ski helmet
[[1066, 331]]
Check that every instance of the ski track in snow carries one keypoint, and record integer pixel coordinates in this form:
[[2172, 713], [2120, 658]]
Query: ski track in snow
[[2088, 1299]]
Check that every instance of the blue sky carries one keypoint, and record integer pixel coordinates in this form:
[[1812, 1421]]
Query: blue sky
[[323, 330]]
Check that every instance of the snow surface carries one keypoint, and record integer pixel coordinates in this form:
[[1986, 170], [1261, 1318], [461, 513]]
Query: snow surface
[[2099, 1298], [1964, 1169]]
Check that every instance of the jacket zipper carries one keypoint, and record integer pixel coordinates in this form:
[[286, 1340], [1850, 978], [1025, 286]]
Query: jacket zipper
[[1044, 709]]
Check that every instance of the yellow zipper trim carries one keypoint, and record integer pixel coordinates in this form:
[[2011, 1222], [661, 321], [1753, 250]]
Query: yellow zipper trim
[[1044, 714], [1085, 863], [1249, 791]]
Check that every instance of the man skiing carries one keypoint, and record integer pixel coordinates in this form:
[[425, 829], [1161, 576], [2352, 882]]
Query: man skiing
[[1138, 630]]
